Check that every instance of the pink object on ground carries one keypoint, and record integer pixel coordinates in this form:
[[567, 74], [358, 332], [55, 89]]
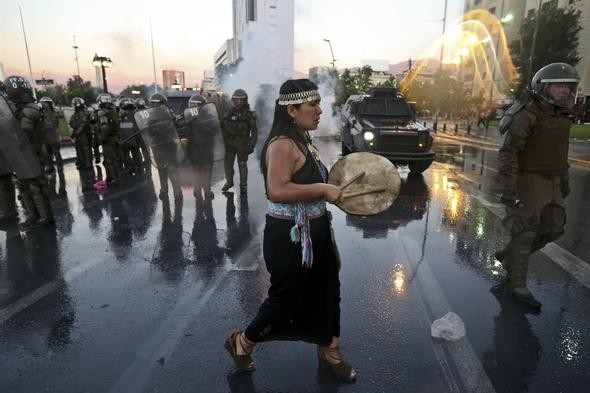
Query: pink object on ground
[[100, 185]]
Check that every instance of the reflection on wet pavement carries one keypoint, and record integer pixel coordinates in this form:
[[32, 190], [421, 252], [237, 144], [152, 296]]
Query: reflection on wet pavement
[[125, 280]]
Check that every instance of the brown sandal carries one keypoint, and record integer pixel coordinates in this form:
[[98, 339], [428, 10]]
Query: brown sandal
[[342, 370], [244, 362]]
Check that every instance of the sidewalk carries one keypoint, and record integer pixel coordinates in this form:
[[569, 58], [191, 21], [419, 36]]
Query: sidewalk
[[579, 150]]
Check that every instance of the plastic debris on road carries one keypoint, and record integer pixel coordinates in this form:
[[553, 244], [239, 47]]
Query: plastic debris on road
[[450, 327]]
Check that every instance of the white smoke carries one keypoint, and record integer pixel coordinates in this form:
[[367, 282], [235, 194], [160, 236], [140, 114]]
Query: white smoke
[[256, 66], [330, 122]]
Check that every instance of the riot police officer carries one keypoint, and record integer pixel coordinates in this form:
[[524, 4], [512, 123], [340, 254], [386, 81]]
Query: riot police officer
[[145, 152], [165, 156], [8, 210], [128, 127], [31, 183], [239, 136], [534, 170], [201, 141], [108, 127], [52, 137], [81, 134]]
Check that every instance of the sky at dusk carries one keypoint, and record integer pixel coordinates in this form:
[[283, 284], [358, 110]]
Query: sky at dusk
[[188, 33]]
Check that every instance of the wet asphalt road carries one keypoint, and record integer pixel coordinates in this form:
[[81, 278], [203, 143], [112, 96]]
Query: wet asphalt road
[[130, 294]]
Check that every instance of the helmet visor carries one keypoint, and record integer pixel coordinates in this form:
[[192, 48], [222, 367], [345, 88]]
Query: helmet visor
[[560, 92]]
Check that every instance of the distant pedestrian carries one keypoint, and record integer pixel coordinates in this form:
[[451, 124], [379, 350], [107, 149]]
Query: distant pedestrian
[[580, 113]]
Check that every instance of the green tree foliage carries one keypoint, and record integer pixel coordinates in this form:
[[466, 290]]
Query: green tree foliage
[[55, 92], [556, 41], [363, 79], [78, 87], [354, 84], [448, 94], [390, 82], [128, 91], [419, 92]]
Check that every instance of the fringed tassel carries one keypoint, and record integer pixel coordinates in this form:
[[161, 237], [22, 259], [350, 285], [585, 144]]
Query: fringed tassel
[[307, 252], [295, 234], [301, 232]]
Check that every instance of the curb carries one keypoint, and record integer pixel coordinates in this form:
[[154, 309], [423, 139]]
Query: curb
[[573, 161]]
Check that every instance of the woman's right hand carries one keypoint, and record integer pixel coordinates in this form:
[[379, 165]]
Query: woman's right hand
[[332, 193]]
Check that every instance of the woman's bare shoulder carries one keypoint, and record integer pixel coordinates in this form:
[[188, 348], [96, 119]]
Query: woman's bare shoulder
[[282, 145]]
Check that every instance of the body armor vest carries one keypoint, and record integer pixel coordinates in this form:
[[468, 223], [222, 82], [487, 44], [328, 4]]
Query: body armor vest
[[80, 121], [547, 145], [50, 120], [30, 118], [237, 124]]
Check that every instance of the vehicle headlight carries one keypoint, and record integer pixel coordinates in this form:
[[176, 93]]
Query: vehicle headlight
[[369, 136]]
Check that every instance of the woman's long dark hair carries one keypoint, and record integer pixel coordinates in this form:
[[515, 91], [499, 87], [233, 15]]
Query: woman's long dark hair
[[282, 124]]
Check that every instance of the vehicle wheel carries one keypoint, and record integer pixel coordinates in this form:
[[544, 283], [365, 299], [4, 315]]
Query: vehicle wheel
[[419, 166], [345, 149]]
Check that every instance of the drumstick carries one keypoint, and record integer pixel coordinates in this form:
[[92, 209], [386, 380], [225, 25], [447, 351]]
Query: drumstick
[[354, 178], [364, 192]]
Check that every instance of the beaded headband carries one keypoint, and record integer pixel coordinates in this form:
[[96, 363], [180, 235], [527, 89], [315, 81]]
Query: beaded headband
[[298, 98]]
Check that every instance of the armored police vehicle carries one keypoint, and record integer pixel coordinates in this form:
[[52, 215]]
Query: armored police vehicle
[[384, 123]]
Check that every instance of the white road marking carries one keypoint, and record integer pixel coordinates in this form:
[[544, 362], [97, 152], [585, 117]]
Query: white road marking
[[575, 266], [473, 375], [44, 290]]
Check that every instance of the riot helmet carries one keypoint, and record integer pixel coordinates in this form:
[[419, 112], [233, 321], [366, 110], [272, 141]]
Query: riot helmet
[[196, 100], [47, 100], [18, 90], [239, 98], [126, 104], [78, 103], [104, 99], [157, 99], [140, 103], [556, 83]]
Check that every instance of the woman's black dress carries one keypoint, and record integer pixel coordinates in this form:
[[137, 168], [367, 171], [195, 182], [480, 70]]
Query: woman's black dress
[[303, 303]]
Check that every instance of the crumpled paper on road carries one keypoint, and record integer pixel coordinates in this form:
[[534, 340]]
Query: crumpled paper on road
[[450, 327]]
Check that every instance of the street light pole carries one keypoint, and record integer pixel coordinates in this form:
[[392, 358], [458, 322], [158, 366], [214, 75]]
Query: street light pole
[[496, 53], [332, 52], [76, 56], [27, 49], [440, 63], [102, 62]]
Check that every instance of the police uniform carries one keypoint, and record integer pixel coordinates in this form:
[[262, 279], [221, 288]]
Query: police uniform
[[33, 192], [82, 134], [535, 180], [131, 147], [52, 137], [108, 127], [240, 133]]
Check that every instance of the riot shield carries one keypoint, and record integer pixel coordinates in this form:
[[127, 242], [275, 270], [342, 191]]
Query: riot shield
[[202, 123], [15, 146], [127, 133], [156, 126]]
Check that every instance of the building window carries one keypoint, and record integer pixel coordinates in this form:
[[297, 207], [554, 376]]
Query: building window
[[530, 13], [476, 2], [251, 10], [492, 10]]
